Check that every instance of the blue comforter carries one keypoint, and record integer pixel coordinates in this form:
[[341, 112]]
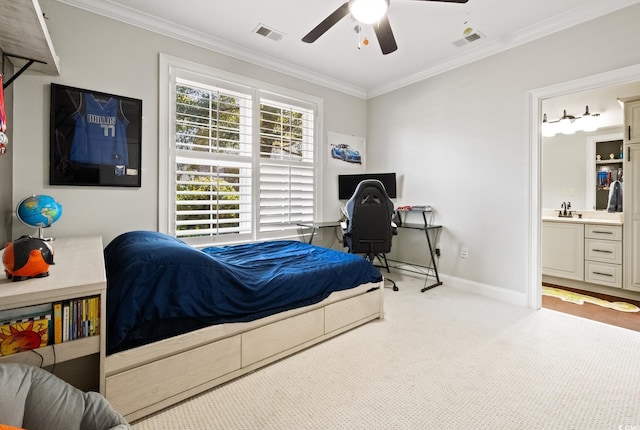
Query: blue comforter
[[158, 286]]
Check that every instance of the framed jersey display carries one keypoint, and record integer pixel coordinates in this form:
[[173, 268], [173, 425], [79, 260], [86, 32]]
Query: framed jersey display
[[95, 138]]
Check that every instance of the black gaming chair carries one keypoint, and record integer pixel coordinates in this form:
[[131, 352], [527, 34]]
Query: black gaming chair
[[369, 226]]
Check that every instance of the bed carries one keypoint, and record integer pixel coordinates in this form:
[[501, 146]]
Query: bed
[[181, 320]]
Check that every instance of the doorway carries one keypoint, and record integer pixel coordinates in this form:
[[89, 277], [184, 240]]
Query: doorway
[[536, 98]]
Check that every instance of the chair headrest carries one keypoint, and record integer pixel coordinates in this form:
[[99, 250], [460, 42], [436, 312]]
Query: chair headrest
[[371, 183]]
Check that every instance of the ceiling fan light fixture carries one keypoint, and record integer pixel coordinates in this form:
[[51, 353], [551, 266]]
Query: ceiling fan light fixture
[[368, 11]]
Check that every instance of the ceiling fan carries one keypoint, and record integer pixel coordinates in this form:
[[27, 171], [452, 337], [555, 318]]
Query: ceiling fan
[[367, 12]]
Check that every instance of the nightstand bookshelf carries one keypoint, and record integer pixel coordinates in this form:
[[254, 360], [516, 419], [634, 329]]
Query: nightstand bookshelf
[[78, 273]]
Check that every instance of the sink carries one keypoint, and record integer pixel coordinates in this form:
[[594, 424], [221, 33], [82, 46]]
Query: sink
[[591, 217]]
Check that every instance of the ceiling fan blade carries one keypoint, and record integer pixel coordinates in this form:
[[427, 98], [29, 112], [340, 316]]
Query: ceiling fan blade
[[385, 36], [328, 22], [447, 1]]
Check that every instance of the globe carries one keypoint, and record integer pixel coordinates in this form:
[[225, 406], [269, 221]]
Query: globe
[[39, 211]]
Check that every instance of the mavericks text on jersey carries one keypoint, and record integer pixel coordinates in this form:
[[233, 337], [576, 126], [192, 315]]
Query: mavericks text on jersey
[[100, 135]]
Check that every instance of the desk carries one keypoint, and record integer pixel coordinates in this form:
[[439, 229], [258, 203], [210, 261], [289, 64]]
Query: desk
[[315, 226], [432, 269], [429, 271]]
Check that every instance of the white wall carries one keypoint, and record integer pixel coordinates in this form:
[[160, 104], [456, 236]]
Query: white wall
[[104, 55], [461, 139]]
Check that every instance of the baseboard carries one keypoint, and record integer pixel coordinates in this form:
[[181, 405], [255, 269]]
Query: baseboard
[[508, 296]]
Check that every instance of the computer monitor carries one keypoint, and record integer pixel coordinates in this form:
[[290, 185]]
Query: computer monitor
[[347, 183]]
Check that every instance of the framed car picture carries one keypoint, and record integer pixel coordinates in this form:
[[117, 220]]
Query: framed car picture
[[95, 138], [345, 152]]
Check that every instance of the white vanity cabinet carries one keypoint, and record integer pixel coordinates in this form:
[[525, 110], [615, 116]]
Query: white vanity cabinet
[[631, 119], [563, 249], [631, 202], [589, 252], [603, 255], [631, 189]]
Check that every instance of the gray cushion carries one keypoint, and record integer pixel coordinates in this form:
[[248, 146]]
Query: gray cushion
[[33, 398]]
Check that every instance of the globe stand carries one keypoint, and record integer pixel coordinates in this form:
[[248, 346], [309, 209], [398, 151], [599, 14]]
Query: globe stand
[[41, 235]]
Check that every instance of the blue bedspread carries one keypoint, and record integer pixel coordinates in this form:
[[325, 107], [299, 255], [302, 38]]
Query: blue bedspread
[[158, 286]]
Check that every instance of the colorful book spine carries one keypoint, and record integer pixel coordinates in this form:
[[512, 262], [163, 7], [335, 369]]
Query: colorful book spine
[[57, 322], [65, 322]]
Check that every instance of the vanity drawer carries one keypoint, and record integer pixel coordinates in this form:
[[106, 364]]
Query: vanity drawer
[[606, 251], [608, 232], [603, 273]]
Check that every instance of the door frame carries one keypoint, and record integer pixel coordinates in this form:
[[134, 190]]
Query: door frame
[[614, 77]]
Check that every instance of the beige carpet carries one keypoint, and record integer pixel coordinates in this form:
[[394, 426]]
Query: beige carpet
[[443, 359]]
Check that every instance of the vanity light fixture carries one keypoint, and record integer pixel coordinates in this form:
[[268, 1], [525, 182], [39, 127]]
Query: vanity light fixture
[[569, 124]]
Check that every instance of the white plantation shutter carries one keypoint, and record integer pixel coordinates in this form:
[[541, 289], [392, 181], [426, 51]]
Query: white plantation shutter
[[213, 161], [212, 199], [286, 166], [243, 161], [286, 195]]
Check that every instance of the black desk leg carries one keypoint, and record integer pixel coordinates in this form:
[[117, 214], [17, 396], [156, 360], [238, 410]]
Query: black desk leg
[[313, 232], [435, 265]]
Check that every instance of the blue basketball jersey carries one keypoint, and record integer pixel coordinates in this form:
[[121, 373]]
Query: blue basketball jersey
[[100, 135]]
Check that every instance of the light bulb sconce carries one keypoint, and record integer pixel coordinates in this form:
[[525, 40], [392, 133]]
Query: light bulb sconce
[[569, 124]]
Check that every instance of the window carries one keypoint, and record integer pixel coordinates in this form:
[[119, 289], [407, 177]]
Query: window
[[240, 156]]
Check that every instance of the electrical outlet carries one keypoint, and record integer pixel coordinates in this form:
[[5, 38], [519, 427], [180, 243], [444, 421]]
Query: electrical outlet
[[464, 252], [437, 252]]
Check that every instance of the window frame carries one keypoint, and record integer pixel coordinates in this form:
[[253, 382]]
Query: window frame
[[170, 69]]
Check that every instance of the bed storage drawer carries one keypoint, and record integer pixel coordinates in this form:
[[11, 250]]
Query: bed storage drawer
[[345, 312], [143, 386], [271, 339]]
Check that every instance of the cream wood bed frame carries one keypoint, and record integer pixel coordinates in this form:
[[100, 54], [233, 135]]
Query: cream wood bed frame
[[144, 380]]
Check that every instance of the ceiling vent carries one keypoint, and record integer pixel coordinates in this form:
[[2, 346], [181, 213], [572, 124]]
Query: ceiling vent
[[469, 38], [267, 32]]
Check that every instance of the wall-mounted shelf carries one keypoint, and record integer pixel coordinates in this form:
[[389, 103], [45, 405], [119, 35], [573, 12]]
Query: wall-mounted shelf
[[24, 34], [610, 161]]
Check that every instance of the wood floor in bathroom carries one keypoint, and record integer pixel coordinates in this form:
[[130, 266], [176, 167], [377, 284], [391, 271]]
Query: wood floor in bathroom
[[629, 320]]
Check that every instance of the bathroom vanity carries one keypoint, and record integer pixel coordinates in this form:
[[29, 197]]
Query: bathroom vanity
[[587, 250], [600, 251]]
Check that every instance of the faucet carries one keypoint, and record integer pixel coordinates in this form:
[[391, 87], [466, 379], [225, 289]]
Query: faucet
[[563, 212]]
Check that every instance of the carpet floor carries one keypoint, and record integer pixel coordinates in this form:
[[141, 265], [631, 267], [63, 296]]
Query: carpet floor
[[443, 359], [608, 309]]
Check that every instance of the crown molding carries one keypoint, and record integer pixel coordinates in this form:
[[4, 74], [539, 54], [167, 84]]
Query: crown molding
[[148, 22], [586, 12]]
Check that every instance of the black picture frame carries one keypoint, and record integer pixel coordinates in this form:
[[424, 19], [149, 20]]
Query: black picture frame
[[95, 138]]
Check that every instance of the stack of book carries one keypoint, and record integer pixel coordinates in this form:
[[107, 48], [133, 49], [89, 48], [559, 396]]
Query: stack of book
[[423, 208], [75, 319], [33, 327]]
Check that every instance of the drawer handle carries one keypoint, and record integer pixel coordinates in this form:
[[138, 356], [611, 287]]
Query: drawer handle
[[602, 232], [602, 274], [603, 250]]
